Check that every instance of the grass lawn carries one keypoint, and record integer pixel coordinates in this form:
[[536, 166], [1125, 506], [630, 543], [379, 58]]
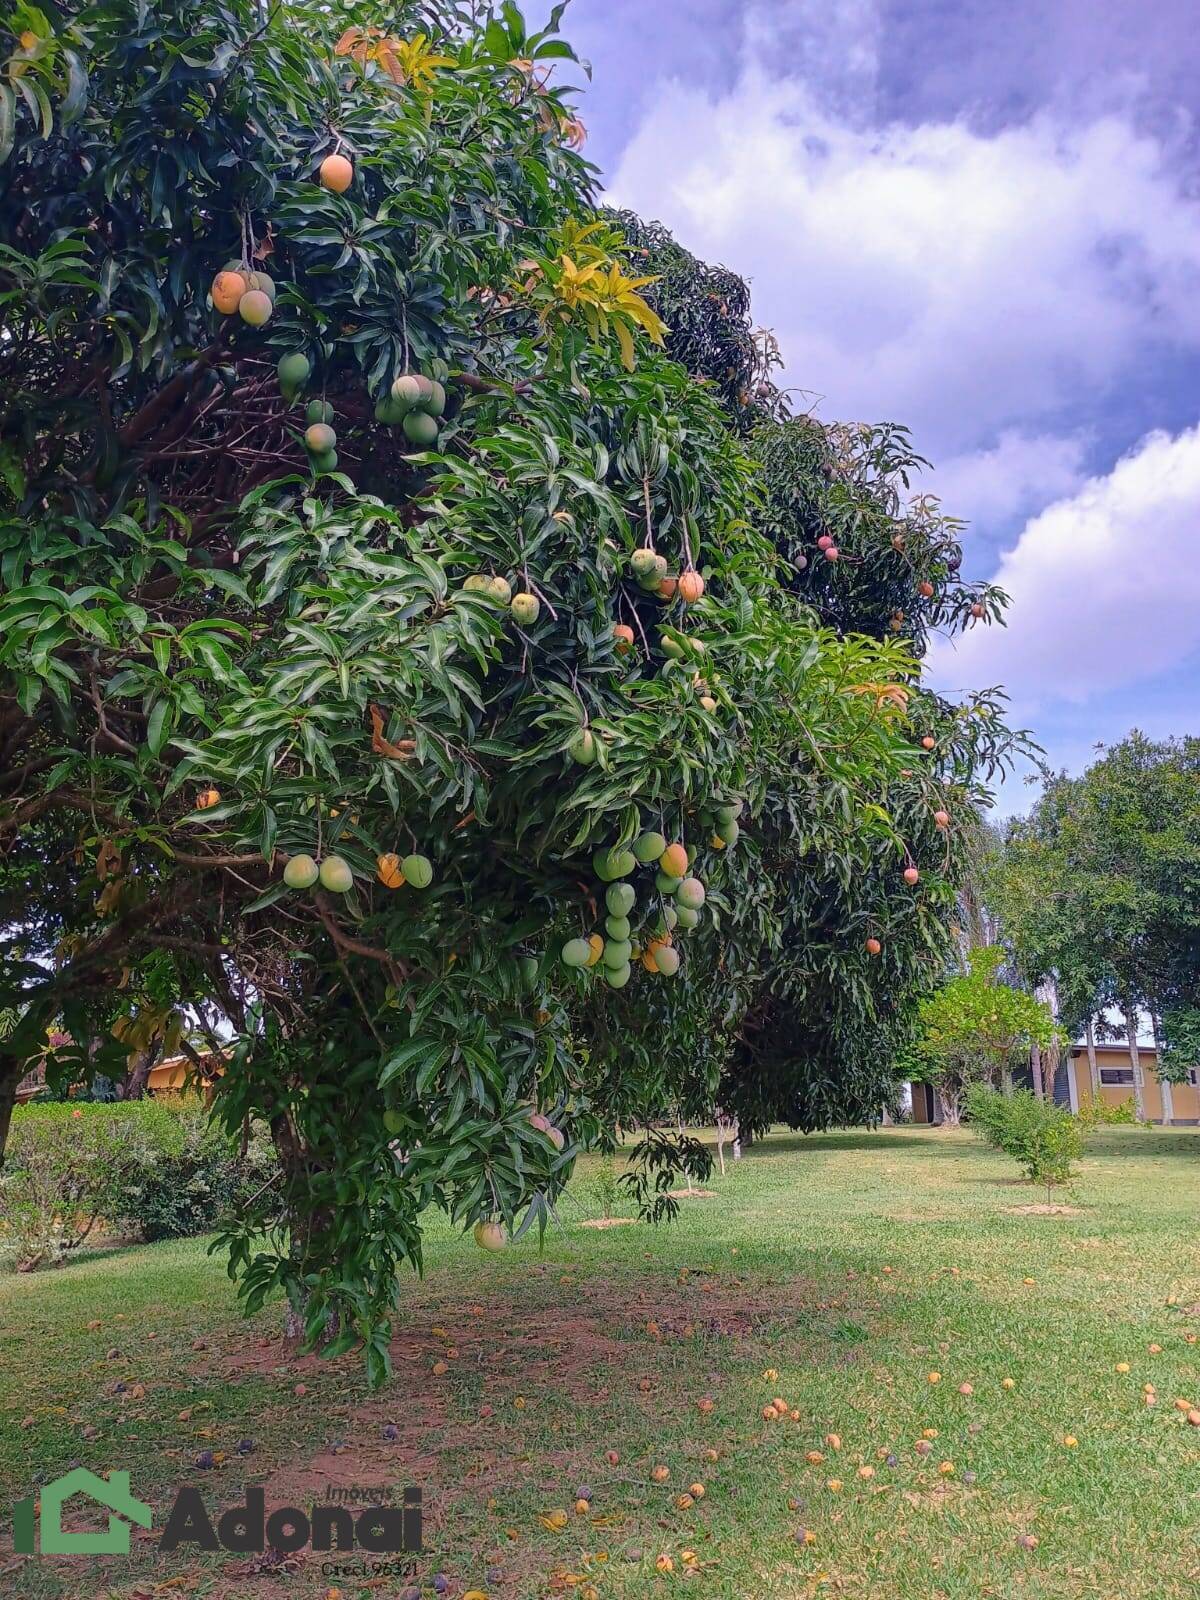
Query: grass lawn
[[849, 1268]]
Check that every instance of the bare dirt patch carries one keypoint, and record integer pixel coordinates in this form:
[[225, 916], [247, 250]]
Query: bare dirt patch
[[531, 1387], [608, 1222], [531, 1382], [1044, 1210], [693, 1194]]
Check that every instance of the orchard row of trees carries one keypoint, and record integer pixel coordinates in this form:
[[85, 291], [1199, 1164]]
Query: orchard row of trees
[[433, 656]]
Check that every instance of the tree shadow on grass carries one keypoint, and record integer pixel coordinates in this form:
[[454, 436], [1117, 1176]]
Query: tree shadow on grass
[[883, 1139]]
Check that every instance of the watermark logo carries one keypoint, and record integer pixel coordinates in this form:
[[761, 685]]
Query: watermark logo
[[373, 1520], [112, 1492], [381, 1526]]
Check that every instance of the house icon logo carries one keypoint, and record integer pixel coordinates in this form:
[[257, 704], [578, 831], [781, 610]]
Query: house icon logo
[[112, 1492]]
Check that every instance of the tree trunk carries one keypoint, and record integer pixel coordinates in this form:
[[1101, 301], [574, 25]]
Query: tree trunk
[[1164, 1086], [1135, 1061], [723, 1132], [1093, 1068], [1035, 1068], [679, 1128], [1168, 1102], [1006, 1080], [950, 1102], [301, 1229], [11, 1072], [133, 1086], [1048, 1060]]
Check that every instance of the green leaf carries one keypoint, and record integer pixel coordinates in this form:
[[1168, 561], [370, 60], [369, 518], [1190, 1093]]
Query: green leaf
[[75, 98], [12, 470], [427, 1051], [8, 122], [158, 727]]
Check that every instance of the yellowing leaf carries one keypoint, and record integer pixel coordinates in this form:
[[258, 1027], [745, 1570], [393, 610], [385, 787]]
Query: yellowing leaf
[[625, 340]]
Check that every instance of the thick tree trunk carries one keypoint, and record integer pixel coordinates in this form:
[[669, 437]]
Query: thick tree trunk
[[1135, 1061], [1035, 1068], [950, 1104], [1093, 1068], [1006, 1080]]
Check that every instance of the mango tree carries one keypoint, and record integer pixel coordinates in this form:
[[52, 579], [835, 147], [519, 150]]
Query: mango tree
[[403, 671]]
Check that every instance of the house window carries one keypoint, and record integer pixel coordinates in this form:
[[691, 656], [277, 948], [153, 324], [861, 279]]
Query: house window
[[1116, 1075], [1193, 1077]]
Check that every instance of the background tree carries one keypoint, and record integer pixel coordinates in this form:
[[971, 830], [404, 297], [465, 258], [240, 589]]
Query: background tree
[[1100, 886], [379, 604], [973, 1030]]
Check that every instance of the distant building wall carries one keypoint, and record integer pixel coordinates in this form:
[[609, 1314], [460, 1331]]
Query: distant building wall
[[1114, 1068], [1072, 1085], [172, 1076]]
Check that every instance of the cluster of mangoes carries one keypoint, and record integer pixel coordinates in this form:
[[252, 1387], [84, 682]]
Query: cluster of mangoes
[[524, 608], [320, 439], [241, 288], [652, 573], [415, 404], [335, 874], [681, 899]]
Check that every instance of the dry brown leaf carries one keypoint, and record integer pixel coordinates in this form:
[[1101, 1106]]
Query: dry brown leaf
[[383, 746]]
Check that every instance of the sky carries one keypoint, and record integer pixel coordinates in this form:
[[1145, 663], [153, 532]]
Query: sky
[[982, 219]]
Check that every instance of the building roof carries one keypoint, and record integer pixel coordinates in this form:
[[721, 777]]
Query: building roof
[[1115, 1047]]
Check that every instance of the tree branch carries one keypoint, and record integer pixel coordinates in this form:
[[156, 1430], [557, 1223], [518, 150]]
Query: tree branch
[[348, 945]]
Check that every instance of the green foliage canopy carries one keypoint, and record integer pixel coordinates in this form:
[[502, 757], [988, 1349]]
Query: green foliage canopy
[[975, 1026]]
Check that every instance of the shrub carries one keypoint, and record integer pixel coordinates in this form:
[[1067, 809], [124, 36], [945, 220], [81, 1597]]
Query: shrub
[[185, 1186], [604, 1183], [63, 1169], [1043, 1137], [158, 1167], [1098, 1113]]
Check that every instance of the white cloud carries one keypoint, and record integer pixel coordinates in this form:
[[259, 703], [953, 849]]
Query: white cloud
[[1017, 475], [1001, 291], [1105, 586], [960, 282]]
